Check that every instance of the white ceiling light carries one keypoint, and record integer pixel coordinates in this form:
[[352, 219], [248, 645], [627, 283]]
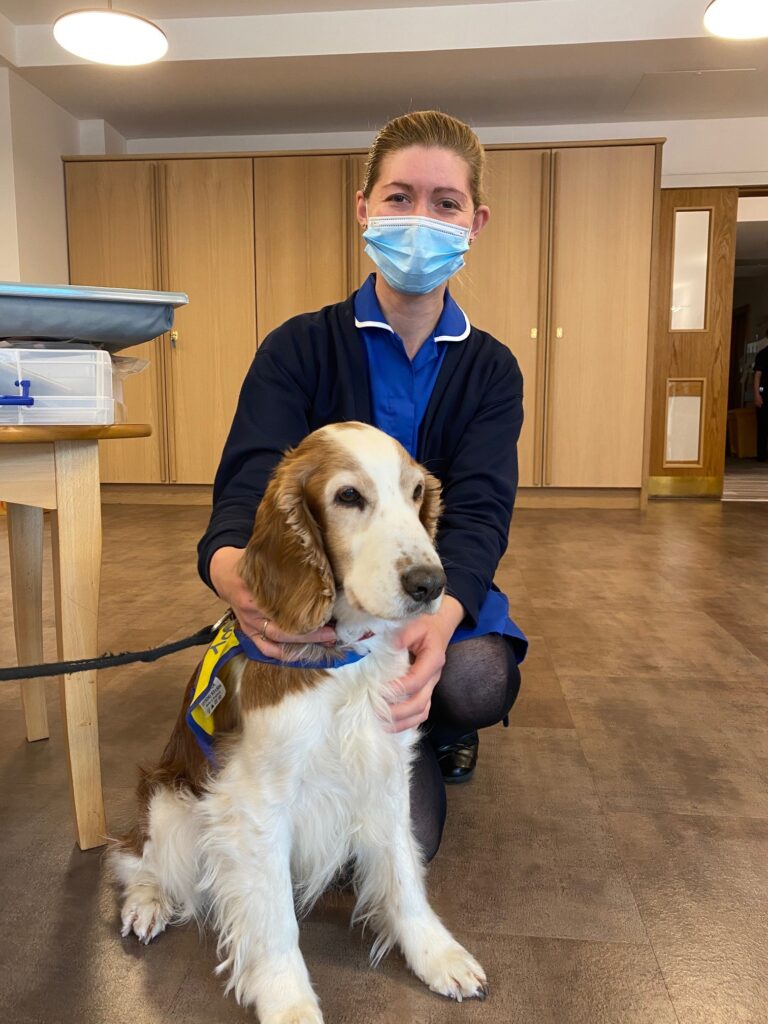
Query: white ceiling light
[[110, 37], [737, 19]]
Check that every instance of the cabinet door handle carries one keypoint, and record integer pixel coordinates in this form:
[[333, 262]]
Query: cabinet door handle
[[534, 333], [174, 338], [558, 332]]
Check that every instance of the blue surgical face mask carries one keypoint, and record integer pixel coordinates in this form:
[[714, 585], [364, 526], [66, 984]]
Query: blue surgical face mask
[[415, 254]]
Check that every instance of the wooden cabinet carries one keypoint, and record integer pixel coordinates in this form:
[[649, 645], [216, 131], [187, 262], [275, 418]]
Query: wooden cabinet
[[111, 219], [207, 247], [561, 274]]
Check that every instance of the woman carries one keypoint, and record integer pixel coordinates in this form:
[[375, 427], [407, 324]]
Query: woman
[[400, 354]]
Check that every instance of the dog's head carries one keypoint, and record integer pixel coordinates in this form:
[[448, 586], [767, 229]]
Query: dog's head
[[346, 529]]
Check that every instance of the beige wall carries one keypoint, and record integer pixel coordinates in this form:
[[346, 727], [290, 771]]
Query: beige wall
[[697, 153], [9, 239], [41, 132]]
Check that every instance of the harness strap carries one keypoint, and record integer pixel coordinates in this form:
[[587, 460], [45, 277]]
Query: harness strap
[[209, 690]]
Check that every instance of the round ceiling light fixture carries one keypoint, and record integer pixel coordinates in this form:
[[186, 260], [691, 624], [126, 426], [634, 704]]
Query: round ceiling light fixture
[[737, 19], [110, 37]]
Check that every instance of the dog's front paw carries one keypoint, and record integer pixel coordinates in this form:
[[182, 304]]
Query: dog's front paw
[[301, 1013], [452, 972], [143, 914]]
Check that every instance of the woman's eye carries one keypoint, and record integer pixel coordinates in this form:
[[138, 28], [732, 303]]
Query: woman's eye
[[418, 492], [449, 204], [398, 198], [350, 496]]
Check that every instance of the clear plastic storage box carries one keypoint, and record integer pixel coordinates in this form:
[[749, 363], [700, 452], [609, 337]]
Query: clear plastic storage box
[[52, 386]]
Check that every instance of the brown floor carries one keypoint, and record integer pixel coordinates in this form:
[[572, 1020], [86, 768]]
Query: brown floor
[[607, 864]]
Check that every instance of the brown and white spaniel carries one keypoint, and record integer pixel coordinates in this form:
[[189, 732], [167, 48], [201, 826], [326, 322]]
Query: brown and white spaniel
[[307, 779]]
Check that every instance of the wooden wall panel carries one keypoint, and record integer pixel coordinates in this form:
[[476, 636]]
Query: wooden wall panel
[[301, 216], [501, 288], [602, 221], [207, 228], [695, 354]]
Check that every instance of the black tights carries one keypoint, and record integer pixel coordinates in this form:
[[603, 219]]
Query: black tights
[[478, 686]]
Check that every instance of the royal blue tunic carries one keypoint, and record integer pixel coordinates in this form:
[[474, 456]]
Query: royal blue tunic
[[401, 389]]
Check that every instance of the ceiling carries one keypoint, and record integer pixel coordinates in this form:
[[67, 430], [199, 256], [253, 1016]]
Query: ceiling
[[38, 12], [301, 65]]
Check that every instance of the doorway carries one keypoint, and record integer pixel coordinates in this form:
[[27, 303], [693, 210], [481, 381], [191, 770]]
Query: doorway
[[746, 479]]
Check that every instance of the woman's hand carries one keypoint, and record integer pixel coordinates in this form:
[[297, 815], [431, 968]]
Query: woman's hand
[[427, 639], [254, 623]]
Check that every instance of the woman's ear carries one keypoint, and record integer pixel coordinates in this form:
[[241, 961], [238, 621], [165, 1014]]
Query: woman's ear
[[431, 505], [285, 566]]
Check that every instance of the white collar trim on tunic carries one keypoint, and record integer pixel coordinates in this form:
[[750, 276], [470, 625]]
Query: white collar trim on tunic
[[456, 337], [373, 323], [438, 337]]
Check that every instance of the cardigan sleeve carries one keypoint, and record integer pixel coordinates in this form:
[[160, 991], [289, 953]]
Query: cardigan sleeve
[[272, 415], [479, 485]]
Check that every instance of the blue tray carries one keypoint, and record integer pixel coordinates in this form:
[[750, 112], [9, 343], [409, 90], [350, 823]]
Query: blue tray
[[112, 318]]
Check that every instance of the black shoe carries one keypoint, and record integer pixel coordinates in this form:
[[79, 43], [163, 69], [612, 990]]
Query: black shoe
[[457, 760]]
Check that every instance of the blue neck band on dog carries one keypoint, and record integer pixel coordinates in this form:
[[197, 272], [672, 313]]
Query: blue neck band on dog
[[250, 650]]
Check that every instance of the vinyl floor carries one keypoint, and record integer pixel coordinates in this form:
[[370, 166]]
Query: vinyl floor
[[607, 865]]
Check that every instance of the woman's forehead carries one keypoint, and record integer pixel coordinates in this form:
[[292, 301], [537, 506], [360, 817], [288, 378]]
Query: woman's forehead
[[421, 166]]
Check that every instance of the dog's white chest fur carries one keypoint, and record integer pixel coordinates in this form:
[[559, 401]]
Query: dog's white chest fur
[[324, 758]]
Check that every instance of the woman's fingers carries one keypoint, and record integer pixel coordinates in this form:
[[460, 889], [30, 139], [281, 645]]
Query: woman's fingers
[[270, 639], [401, 724]]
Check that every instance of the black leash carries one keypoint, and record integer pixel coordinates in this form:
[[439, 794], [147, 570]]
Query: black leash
[[203, 637]]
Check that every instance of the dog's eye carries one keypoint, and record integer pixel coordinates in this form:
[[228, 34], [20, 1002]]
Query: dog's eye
[[418, 492], [350, 496]]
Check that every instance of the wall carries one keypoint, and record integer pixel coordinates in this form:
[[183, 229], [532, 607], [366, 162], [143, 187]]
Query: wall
[[97, 137], [9, 238], [41, 132], [697, 153]]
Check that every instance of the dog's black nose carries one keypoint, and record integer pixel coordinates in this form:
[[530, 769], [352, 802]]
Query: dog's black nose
[[423, 583]]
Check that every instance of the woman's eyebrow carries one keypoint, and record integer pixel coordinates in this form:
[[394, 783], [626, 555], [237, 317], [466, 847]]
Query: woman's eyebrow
[[408, 187]]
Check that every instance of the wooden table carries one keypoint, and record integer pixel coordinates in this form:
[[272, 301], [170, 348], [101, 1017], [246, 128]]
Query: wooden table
[[57, 468]]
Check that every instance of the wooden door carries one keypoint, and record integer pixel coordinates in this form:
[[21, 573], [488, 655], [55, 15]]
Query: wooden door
[[692, 328], [602, 215], [112, 237], [502, 288], [207, 227], [301, 216]]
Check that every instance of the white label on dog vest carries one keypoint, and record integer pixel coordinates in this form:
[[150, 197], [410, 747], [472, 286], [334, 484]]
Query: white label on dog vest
[[213, 696]]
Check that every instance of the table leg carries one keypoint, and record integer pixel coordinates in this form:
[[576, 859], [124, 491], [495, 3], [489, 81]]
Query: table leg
[[76, 533], [25, 540]]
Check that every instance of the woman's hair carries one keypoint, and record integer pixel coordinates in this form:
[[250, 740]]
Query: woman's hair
[[427, 128]]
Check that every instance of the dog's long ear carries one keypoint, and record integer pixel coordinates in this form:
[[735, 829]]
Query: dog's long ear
[[285, 565], [431, 505]]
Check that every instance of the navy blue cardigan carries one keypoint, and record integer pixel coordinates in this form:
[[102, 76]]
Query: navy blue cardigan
[[313, 370]]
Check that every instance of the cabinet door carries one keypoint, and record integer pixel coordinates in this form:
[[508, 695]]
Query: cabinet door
[[207, 227], [360, 265], [598, 328], [111, 227], [502, 286], [301, 216]]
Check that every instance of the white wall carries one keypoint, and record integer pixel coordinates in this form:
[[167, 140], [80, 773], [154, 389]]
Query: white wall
[[41, 132], [701, 152], [97, 136], [9, 239]]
